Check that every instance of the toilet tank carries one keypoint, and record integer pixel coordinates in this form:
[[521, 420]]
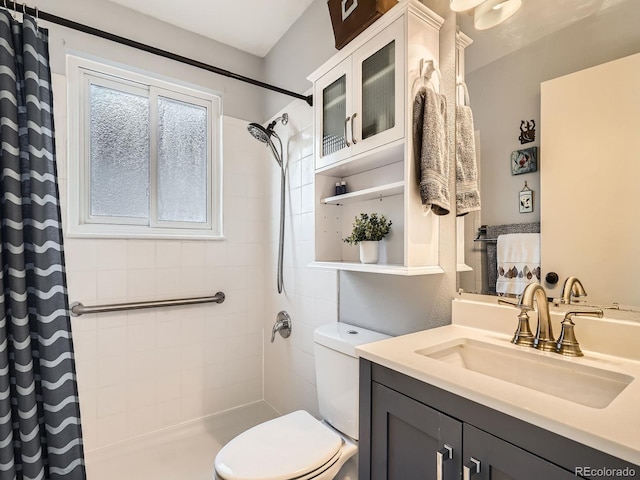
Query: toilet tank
[[337, 373]]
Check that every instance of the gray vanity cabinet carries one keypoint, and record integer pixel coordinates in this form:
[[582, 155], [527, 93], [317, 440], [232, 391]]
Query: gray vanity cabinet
[[403, 430], [404, 423], [499, 460]]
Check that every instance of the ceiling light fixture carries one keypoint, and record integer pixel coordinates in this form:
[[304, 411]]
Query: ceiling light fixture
[[464, 5], [493, 12]]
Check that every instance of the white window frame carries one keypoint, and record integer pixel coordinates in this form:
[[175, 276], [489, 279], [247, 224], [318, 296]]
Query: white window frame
[[81, 74]]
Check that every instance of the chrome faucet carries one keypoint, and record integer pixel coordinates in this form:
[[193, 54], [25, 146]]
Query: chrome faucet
[[572, 287], [544, 334]]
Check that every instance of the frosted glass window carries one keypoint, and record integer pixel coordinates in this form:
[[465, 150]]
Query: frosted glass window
[[182, 161], [378, 91], [145, 158], [119, 153]]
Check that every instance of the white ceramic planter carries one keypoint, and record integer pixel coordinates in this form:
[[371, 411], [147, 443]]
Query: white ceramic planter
[[369, 252]]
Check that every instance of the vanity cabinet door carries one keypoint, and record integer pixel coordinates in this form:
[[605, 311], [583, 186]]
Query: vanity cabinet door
[[406, 437], [499, 460]]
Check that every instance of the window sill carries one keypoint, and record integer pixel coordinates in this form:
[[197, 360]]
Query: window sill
[[119, 232]]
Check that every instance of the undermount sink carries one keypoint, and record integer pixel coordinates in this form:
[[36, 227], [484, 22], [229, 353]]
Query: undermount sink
[[582, 384]]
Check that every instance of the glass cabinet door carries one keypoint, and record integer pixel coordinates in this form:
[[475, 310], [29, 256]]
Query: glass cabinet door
[[334, 113], [378, 91], [379, 104], [333, 92]]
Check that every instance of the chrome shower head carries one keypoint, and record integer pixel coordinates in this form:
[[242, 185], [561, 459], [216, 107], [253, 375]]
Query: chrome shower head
[[259, 132], [264, 135]]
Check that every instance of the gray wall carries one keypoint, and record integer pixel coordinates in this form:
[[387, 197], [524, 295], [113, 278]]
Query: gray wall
[[306, 45], [240, 100]]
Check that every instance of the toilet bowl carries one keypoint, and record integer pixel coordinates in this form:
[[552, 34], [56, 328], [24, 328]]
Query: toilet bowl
[[294, 446], [297, 445]]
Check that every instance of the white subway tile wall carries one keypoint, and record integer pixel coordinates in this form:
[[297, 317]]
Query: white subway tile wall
[[140, 371], [310, 294]]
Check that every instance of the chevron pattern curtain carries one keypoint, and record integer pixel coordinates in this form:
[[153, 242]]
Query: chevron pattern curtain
[[40, 435]]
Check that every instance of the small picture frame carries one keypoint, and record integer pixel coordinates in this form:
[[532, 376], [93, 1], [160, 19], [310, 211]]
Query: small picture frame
[[525, 198], [524, 161]]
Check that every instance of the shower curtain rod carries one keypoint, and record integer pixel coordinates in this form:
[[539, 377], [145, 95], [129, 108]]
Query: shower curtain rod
[[48, 17]]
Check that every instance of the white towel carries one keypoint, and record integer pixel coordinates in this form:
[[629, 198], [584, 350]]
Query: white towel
[[518, 258], [431, 149]]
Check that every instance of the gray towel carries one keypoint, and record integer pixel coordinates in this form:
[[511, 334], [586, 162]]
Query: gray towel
[[431, 149], [467, 192]]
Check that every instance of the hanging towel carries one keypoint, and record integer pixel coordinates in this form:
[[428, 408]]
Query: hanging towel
[[467, 192], [431, 149], [518, 257]]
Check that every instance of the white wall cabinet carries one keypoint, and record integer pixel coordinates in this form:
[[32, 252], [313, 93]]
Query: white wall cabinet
[[363, 100], [361, 107]]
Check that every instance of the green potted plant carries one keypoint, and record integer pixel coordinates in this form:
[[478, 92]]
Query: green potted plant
[[368, 230]]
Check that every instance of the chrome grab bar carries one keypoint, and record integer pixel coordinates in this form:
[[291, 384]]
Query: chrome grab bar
[[78, 308]]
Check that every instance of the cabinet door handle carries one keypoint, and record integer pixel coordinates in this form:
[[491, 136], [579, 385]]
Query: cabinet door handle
[[353, 137], [346, 138], [471, 468], [442, 455]]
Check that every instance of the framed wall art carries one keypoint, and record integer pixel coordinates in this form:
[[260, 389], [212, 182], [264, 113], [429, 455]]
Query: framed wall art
[[524, 161], [525, 198]]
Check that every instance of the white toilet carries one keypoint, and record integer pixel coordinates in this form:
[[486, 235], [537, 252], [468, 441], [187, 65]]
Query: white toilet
[[297, 445]]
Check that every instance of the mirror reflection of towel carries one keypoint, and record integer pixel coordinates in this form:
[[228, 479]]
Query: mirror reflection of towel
[[467, 192], [431, 149], [518, 258]]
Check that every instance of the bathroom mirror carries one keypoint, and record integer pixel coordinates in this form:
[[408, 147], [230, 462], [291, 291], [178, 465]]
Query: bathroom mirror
[[503, 69]]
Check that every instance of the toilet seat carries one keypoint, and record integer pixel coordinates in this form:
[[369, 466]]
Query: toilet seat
[[294, 446]]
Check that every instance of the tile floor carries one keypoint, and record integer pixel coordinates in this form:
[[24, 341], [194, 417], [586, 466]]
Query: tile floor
[[185, 452]]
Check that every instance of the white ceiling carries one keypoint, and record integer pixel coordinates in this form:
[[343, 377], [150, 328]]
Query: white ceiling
[[254, 26]]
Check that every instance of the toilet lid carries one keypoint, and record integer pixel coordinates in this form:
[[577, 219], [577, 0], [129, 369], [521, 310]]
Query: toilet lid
[[286, 447]]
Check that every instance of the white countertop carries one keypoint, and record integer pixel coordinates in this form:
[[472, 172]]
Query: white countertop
[[614, 429]]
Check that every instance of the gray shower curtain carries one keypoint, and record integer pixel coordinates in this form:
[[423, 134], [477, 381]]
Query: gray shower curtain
[[40, 436]]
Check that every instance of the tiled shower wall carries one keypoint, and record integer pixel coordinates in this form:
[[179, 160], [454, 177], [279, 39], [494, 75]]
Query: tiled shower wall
[[142, 371], [310, 294]]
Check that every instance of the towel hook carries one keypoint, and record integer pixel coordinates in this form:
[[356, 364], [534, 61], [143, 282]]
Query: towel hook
[[427, 69], [465, 90]]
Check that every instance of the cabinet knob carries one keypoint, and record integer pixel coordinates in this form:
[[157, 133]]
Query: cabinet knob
[[470, 469], [445, 453]]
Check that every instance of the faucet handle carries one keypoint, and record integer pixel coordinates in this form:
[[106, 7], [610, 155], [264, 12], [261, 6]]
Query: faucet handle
[[282, 325], [522, 335], [567, 342], [514, 303]]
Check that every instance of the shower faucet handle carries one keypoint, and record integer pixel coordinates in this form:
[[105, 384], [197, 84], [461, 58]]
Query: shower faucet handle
[[282, 325]]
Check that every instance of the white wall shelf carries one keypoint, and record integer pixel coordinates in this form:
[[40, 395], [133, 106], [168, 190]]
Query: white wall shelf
[[380, 268], [382, 191]]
